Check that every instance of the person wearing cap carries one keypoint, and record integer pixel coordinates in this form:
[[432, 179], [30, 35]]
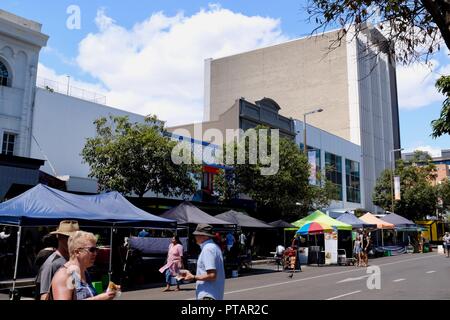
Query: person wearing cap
[[56, 260], [210, 275]]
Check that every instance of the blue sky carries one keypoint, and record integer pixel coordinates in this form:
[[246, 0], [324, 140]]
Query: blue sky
[[91, 55]]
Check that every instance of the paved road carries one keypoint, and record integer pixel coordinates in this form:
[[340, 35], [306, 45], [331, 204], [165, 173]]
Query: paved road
[[419, 276], [410, 277]]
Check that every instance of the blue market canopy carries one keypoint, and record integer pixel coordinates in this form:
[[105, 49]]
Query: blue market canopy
[[400, 223], [43, 205], [356, 223]]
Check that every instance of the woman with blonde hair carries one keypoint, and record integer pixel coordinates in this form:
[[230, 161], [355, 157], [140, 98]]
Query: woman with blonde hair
[[72, 281]]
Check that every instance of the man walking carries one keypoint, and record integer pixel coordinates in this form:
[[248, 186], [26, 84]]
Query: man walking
[[446, 239], [210, 275], [56, 260]]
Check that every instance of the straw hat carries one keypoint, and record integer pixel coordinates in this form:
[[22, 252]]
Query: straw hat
[[67, 228], [204, 230]]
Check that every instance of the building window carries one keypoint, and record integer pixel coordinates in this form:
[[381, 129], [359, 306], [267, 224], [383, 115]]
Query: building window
[[333, 165], [8, 143], [352, 178], [4, 75]]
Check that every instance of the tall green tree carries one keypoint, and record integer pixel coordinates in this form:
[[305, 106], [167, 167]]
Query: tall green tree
[[286, 193], [136, 158], [444, 194], [441, 126], [418, 195]]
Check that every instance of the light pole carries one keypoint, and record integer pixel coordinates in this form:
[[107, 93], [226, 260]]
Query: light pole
[[393, 175], [305, 147]]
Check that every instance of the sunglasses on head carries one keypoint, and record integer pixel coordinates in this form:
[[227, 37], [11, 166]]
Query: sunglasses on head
[[91, 249]]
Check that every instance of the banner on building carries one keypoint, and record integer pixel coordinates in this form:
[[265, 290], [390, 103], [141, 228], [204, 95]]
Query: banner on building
[[313, 167], [397, 188]]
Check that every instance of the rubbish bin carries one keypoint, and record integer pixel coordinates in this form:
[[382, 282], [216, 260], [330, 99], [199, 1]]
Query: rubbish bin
[[313, 255], [426, 248]]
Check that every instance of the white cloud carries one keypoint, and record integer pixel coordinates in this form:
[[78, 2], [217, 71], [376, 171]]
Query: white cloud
[[157, 65], [433, 151], [416, 84]]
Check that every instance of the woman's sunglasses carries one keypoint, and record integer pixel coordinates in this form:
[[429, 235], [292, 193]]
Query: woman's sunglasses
[[91, 249]]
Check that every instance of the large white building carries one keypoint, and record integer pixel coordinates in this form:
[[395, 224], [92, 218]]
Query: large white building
[[355, 133], [41, 122]]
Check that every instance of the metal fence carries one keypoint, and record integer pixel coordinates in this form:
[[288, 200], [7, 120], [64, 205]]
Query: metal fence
[[67, 89]]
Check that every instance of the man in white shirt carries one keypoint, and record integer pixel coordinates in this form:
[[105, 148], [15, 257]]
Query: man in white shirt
[[446, 239]]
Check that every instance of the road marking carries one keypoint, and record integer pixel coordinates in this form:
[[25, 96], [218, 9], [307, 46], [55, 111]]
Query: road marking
[[432, 271], [399, 280], [353, 279], [321, 276], [344, 295]]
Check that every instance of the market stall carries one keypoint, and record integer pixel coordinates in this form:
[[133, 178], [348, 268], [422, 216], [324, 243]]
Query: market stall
[[406, 231], [381, 226], [188, 217], [44, 206], [330, 239]]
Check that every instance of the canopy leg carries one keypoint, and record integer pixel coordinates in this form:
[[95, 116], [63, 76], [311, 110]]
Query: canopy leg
[[19, 232], [110, 254]]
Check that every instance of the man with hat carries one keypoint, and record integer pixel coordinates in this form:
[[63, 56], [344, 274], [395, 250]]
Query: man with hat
[[56, 260], [210, 275]]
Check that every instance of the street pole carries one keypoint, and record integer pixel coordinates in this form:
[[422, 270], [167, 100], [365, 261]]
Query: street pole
[[392, 181], [392, 158], [305, 147]]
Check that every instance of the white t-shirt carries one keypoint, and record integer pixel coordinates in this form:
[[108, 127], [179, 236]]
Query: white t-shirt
[[3, 235], [242, 239], [280, 249], [446, 239]]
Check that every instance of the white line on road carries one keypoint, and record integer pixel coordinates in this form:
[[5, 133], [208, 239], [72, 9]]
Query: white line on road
[[344, 295], [432, 271], [399, 280], [353, 279], [322, 276]]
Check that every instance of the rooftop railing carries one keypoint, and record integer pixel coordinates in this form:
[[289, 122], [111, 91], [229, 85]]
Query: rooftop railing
[[72, 91]]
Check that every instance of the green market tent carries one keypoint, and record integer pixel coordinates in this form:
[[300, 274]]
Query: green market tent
[[321, 217]]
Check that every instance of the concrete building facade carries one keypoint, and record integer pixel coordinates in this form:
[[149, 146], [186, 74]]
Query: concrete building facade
[[20, 43], [355, 84]]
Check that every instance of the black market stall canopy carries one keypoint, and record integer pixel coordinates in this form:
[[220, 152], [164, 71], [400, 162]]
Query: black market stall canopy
[[356, 223], [243, 220], [400, 223], [187, 214], [44, 206], [281, 224]]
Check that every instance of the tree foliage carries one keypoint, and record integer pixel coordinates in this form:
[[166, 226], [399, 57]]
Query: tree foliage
[[418, 195], [441, 126], [287, 192], [414, 31], [136, 158], [413, 28], [444, 194]]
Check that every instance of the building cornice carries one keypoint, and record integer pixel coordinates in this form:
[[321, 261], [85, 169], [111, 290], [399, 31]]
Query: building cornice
[[22, 33]]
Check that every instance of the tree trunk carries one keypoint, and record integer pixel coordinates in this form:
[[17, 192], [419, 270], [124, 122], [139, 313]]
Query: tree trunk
[[440, 11]]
